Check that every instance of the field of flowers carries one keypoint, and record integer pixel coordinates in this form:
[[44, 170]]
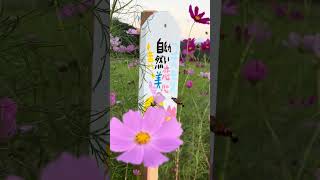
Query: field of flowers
[[192, 159], [268, 93]]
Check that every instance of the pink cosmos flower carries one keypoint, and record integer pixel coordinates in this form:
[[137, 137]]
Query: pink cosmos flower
[[8, 112], [112, 98], [143, 139], [189, 84], [130, 48], [254, 71], [229, 7], [294, 40], [136, 172], [158, 97], [68, 167], [189, 71], [316, 45], [133, 31], [205, 46], [13, 178], [133, 64], [115, 41], [205, 74], [198, 17], [67, 11], [308, 42], [199, 65], [189, 46]]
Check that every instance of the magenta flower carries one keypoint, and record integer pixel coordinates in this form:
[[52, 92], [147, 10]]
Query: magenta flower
[[294, 40], [296, 15], [254, 71], [133, 64], [13, 178], [199, 65], [82, 8], [143, 139], [112, 98], [189, 84], [280, 10], [67, 10], [122, 49], [133, 31], [198, 17], [136, 172], [229, 7], [311, 100], [189, 46], [316, 45], [258, 30], [189, 71], [205, 46], [308, 42], [130, 48], [114, 41], [8, 112], [68, 167]]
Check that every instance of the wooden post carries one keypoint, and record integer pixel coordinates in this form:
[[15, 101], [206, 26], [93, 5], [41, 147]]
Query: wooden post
[[215, 16], [159, 63]]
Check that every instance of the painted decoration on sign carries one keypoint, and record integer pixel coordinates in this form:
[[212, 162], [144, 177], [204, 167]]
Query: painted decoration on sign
[[159, 56]]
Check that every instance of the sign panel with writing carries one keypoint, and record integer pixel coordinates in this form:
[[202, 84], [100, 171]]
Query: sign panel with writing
[[159, 60]]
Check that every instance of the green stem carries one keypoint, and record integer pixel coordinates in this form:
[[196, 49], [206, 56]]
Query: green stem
[[183, 87], [226, 159], [287, 174], [65, 37], [307, 151]]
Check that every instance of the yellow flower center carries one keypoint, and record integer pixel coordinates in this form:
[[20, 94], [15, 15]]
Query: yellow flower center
[[142, 138], [168, 118], [190, 48], [197, 18]]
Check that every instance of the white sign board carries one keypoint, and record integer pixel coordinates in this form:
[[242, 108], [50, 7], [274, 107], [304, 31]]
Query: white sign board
[[159, 58]]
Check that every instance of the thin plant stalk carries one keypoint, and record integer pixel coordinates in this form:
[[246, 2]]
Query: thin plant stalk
[[178, 150]]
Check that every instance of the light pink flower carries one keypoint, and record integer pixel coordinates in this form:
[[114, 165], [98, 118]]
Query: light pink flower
[[143, 139], [133, 31], [112, 98]]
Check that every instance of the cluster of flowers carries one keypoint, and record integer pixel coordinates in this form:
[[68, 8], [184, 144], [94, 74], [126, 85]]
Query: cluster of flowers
[[72, 9], [66, 167], [117, 47], [309, 42]]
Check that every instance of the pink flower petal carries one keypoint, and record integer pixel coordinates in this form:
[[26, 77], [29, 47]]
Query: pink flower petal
[[169, 129], [166, 144], [152, 157], [191, 11], [153, 119], [134, 156], [121, 144], [13, 178], [159, 98], [132, 119], [196, 10], [121, 137], [201, 14]]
